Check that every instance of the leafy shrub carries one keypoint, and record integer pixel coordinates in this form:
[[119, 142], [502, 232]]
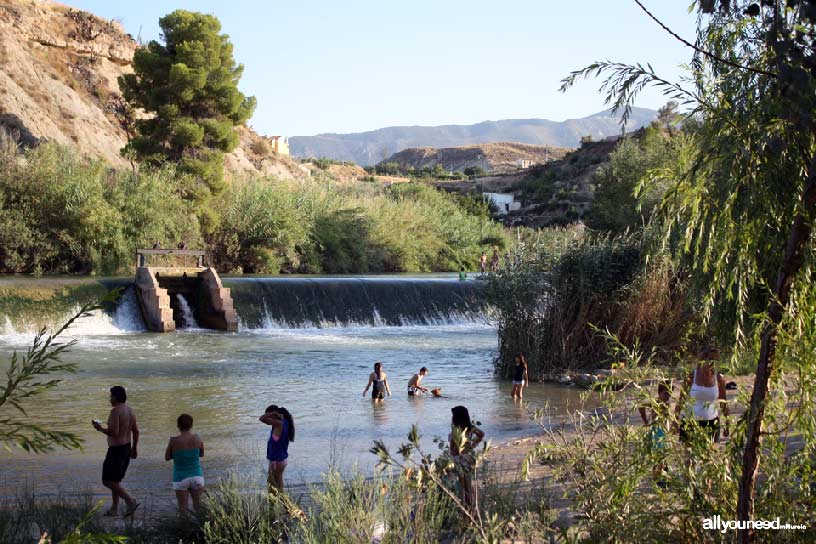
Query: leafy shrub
[[475, 172], [63, 214], [549, 306]]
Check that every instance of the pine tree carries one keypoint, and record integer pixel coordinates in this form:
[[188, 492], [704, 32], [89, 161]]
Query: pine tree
[[188, 86]]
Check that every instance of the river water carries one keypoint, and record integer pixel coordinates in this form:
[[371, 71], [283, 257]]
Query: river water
[[315, 366]]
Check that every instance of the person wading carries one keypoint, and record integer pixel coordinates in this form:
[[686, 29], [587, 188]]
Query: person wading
[[122, 433], [520, 377], [414, 387], [379, 381]]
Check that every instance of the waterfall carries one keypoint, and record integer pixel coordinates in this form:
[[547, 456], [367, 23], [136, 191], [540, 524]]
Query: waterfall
[[265, 303], [188, 320], [320, 302]]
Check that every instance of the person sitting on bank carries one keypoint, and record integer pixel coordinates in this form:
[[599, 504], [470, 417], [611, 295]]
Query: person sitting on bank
[[462, 274], [186, 451], [123, 438], [379, 380], [414, 387]]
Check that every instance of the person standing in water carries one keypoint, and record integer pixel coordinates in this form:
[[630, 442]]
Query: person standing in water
[[520, 377], [186, 451], [277, 448], [462, 274], [379, 380], [122, 433], [414, 387]]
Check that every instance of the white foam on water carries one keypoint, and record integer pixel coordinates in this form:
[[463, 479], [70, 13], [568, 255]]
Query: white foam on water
[[188, 320], [455, 319], [98, 323]]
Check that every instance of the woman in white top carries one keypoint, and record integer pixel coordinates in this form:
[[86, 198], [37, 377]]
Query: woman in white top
[[706, 387]]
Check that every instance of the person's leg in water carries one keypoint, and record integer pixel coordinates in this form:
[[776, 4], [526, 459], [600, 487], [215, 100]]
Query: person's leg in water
[[521, 390], [182, 498]]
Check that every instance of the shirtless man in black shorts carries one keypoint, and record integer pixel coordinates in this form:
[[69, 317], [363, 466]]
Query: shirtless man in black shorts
[[414, 387], [123, 437]]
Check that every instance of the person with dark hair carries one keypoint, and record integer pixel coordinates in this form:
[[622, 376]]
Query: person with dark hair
[[462, 274], [414, 387], [277, 447], [706, 389], [520, 377], [186, 451], [122, 433], [463, 439], [379, 380]]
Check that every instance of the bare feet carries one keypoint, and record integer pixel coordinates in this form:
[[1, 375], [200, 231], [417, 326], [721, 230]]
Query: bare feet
[[131, 508]]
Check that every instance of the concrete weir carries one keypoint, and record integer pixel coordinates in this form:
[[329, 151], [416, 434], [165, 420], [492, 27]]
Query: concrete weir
[[159, 288]]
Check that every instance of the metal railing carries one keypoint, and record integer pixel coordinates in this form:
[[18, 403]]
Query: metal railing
[[141, 255]]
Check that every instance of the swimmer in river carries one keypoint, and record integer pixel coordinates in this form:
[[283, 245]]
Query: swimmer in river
[[414, 387], [379, 380]]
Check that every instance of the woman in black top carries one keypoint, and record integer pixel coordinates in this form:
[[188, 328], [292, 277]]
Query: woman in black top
[[520, 378], [380, 382]]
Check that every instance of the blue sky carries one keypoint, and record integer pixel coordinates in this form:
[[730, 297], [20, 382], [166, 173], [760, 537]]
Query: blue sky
[[329, 66]]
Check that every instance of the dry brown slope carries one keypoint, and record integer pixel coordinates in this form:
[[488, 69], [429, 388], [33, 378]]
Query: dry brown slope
[[58, 81], [499, 157]]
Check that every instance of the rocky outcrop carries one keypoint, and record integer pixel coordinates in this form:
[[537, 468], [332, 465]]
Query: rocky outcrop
[[499, 158], [58, 72], [58, 81]]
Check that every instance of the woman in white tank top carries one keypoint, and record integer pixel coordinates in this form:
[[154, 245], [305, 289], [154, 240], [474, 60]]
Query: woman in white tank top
[[706, 389]]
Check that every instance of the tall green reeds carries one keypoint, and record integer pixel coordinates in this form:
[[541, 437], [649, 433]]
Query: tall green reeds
[[565, 286]]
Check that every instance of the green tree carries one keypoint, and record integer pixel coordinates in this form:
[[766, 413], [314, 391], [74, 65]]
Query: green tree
[[475, 171], [616, 206], [189, 87], [744, 210]]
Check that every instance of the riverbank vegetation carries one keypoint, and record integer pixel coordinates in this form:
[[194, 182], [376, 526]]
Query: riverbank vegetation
[[63, 214], [724, 222]]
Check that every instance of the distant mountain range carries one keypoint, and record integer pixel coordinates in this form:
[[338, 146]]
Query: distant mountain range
[[366, 148]]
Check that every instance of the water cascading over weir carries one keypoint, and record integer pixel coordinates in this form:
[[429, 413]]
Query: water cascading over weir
[[167, 294]]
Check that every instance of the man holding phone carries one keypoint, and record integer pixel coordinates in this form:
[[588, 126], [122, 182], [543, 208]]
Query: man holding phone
[[123, 437]]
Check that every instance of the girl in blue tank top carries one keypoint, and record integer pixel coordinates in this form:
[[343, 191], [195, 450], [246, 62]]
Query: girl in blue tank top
[[277, 447], [186, 451]]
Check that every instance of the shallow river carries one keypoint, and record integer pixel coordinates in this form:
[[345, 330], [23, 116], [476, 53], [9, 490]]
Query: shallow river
[[225, 380]]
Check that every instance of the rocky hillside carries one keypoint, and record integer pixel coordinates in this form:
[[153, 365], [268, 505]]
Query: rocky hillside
[[500, 157], [58, 81], [367, 148]]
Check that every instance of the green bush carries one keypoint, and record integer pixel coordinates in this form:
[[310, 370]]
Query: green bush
[[63, 214], [568, 284]]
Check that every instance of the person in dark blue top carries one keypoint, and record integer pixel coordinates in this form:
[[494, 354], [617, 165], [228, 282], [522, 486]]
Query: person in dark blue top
[[380, 382], [277, 448]]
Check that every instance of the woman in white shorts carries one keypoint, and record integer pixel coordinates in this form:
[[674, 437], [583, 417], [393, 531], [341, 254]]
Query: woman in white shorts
[[186, 450], [520, 378]]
